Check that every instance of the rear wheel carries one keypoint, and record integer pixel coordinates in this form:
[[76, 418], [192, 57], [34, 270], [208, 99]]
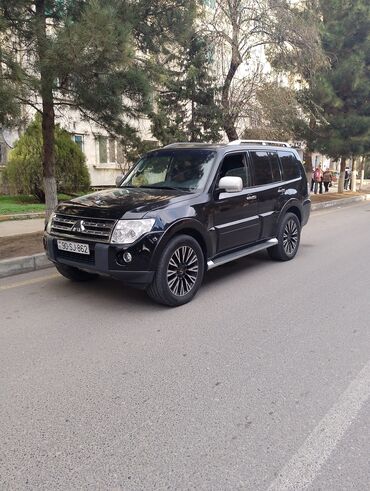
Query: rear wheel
[[180, 272], [74, 274], [289, 235]]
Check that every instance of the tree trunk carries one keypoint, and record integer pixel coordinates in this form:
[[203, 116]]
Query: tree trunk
[[341, 175], [229, 123], [354, 175], [362, 172], [308, 165], [48, 116], [229, 119]]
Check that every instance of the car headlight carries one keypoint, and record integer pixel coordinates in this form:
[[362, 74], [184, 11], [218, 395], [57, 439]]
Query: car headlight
[[50, 221], [127, 231]]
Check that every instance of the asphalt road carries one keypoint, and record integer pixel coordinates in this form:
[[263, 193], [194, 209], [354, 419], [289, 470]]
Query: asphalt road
[[262, 382]]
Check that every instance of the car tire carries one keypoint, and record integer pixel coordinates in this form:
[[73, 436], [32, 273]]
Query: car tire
[[180, 272], [74, 274], [288, 236]]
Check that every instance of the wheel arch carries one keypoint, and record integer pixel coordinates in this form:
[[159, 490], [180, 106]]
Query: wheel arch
[[292, 207], [184, 227]]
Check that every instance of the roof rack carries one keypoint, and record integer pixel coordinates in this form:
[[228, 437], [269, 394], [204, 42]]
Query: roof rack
[[175, 144], [260, 142]]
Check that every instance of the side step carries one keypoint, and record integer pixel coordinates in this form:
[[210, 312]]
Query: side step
[[244, 252]]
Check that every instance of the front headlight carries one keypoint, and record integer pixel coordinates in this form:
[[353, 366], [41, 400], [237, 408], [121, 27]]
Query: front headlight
[[50, 221], [127, 231]]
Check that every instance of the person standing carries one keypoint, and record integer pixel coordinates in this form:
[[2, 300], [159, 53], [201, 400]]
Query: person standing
[[327, 179], [317, 177], [346, 178]]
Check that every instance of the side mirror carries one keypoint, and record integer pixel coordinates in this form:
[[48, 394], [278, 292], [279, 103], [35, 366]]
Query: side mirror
[[118, 180], [231, 184]]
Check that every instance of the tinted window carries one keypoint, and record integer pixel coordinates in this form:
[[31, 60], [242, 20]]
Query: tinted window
[[291, 167], [262, 168], [275, 166], [234, 165]]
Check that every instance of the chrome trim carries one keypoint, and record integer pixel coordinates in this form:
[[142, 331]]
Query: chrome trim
[[236, 222], [270, 143], [64, 225]]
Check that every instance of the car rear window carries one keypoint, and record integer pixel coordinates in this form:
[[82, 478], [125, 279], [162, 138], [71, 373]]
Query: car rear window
[[291, 166]]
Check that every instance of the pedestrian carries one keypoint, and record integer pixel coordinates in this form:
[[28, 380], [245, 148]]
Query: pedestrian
[[346, 178], [312, 179], [327, 179], [317, 177]]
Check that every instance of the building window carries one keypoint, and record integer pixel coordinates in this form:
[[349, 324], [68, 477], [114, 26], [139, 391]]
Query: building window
[[107, 150], [103, 149], [79, 140], [112, 150]]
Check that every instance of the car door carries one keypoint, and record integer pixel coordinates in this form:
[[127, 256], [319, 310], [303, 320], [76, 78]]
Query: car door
[[235, 216], [268, 187]]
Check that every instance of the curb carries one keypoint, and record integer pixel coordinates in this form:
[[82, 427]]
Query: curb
[[24, 264], [21, 216], [339, 202]]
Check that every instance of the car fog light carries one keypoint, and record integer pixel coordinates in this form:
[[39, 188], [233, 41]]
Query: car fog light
[[127, 257]]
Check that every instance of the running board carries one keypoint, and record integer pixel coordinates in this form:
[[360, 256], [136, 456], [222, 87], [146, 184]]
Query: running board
[[237, 255]]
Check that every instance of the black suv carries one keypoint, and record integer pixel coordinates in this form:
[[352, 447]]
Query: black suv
[[180, 211]]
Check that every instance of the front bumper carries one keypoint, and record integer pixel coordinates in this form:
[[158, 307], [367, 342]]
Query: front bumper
[[105, 259]]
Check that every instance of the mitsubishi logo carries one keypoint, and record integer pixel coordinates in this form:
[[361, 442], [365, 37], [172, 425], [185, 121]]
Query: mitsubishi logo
[[79, 226]]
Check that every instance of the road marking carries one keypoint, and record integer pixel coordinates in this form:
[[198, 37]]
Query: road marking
[[29, 282], [302, 469]]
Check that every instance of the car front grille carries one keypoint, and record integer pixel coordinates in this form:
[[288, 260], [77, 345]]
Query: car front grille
[[95, 229]]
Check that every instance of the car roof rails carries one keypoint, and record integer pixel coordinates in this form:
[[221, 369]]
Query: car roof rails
[[260, 142], [191, 144]]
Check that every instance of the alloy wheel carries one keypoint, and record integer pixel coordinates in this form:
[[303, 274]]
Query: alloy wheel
[[290, 237], [182, 271]]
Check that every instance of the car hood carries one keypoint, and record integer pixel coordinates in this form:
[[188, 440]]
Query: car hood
[[115, 203]]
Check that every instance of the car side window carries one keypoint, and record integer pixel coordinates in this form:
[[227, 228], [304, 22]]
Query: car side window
[[262, 168], [234, 165], [275, 166], [291, 166]]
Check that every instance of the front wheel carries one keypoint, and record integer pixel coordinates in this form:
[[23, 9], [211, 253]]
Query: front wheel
[[180, 272], [74, 274], [289, 235]]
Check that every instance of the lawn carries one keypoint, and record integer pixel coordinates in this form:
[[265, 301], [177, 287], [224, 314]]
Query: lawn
[[11, 205]]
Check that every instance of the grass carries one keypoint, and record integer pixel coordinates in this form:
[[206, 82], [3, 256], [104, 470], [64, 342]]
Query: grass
[[11, 205]]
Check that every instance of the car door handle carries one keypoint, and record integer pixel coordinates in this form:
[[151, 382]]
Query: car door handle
[[281, 190], [251, 197]]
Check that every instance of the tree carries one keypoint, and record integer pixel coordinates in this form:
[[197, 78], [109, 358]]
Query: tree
[[276, 113], [90, 55], [69, 53], [24, 171], [338, 96], [239, 28], [186, 106]]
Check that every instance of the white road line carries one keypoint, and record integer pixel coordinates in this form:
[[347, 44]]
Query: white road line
[[302, 469]]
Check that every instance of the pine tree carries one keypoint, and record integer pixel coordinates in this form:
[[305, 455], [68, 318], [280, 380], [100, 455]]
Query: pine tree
[[186, 107], [339, 96], [92, 55]]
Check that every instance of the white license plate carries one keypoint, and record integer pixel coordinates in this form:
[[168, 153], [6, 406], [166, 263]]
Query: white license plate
[[65, 245]]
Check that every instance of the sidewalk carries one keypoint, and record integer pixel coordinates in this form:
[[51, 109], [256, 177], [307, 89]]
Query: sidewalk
[[20, 227]]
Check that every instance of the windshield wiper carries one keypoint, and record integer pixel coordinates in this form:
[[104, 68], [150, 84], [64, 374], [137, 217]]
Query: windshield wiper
[[173, 188]]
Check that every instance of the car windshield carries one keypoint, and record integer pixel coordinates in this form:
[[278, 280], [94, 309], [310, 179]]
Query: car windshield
[[186, 170]]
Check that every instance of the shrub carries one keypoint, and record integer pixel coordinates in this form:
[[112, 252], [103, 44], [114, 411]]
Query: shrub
[[24, 169]]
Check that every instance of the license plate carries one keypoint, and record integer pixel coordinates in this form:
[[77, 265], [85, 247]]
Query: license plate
[[65, 245]]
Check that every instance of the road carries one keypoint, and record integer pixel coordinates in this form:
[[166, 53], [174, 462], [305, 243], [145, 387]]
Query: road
[[262, 382]]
